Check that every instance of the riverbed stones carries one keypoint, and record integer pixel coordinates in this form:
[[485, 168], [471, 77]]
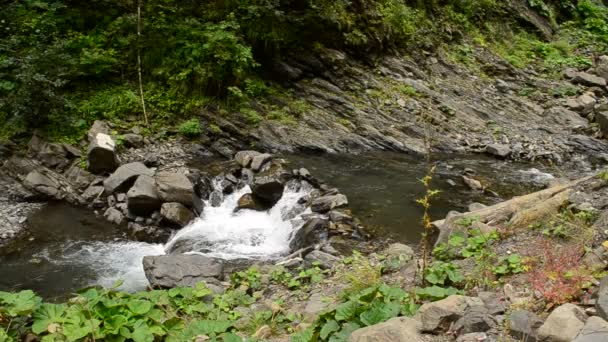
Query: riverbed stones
[[563, 324], [244, 158], [115, 216], [258, 161], [399, 251], [601, 67], [142, 198], [175, 187], [44, 184], [78, 177], [101, 154], [324, 260], [583, 104], [268, 189], [125, 176], [168, 271], [523, 325], [602, 120], [472, 183], [176, 214], [133, 140], [438, 316], [589, 80], [248, 201], [309, 233], [396, 329], [324, 204], [499, 150], [595, 330], [146, 233], [601, 304]]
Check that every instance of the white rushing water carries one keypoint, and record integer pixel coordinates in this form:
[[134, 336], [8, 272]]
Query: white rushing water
[[220, 232]]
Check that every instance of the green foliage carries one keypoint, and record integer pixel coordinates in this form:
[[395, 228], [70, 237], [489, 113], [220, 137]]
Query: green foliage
[[436, 292], [362, 273], [190, 128], [179, 314], [443, 273], [511, 264], [301, 279], [370, 306]]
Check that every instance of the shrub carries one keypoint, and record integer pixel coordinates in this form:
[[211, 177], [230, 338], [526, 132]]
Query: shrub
[[190, 128]]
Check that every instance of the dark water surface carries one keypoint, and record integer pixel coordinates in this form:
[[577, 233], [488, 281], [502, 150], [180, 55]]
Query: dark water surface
[[67, 248]]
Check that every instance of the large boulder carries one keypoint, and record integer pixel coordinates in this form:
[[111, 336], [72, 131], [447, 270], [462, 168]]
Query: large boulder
[[589, 80], [133, 140], [326, 203], [563, 324], [601, 304], [602, 120], [54, 156], [523, 325], [498, 150], [595, 330], [244, 158], [168, 271], [175, 187], [248, 201], [258, 162], [324, 260], [601, 67], [438, 316], [176, 214], [98, 127], [142, 198], [43, 184], [101, 154], [309, 233], [397, 329], [78, 177], [268, 189], [115, 216], [122, 179], [583, 104]]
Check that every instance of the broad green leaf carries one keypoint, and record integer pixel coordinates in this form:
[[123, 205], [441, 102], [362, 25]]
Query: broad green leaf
[[391, 293], [304, 336], [139, 306], [380, 312], [141, 332], [230, 337], [344, 334], [346, 311], [19, 304], [47, 314], [328, 328]]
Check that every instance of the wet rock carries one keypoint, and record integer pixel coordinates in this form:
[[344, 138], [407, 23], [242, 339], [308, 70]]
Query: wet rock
[[44, 184], [472, 183], [439, 316], [133, 140], [247, 176], [142, 198], [122, 179], [92, 192], [563, 324], [337, 216], [244, 158], [309, 233], [523, 325], [324, 260], [476, 206], [595, 330], [248, 201], [174, 187], [168, 271], [176, 214], [499, 150], [115, 216], [397, 329], [589, 80], [223, 148], [78, 177], [216, 199], [602, 300], [101, 154], [147, 233], [324, 204], [267, 189], [258, 162], [475, 319], [583, 104]]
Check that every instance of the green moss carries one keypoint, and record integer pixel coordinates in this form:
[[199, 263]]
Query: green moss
[[190, 128]]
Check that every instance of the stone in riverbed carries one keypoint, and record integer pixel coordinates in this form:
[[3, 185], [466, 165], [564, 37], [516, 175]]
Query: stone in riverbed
[[168, 271], [101, 154], [176, 214], [142, 198], [258, 162], [326, 203], [115, 216], [438, 316], [267, 189], [325, 260], [43, 184], [595, 330], [175, 187], [523, 325], [602, 298], [308, 234], [248, 201], [499, 150], [133, 140], [125, 176], [602, 120], [244, 158], [563, 324], [583, 104], [589, 80], [397, 329]]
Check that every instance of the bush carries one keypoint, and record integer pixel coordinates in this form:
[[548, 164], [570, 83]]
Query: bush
[[190, 128]]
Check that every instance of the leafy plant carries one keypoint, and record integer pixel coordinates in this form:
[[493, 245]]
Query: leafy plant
[[190, 128], [443, 273], [511, 264]]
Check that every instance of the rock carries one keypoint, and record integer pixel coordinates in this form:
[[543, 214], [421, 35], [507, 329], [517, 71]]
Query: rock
[[308, 234], [326, 203], [602, 298], [472, 183], [43, 184], [244, 158], [142, 198], [476, 206], [314, 306], [438, 316], [398, 329], [248, 201], [523, 325], [595, 330], [78, 177], [499, 150], [473, 337], [223, 148], [267, 189], [258, 162], [216, 198], [399, 250], [176, 214], [53, 156], [151, 160], [101, 154], [325, 260], [589, 80], [563, 324], [98, 127], [174, 187], [337, 216], [125, 176], [115, 216], [168, 271], [133, 140], [145, 233], [493, 304], [601, 67], [92, 192], [583, 104], [602, 120], [475, 319]]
